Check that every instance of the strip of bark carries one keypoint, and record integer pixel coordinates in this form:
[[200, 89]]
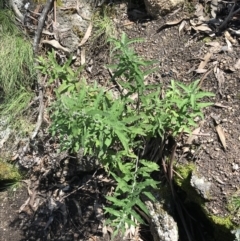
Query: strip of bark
[[16, 10]]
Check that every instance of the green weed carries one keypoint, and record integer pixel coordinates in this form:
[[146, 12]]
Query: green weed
[[69, 78], [234, 203], [113, 130], [104, 27]]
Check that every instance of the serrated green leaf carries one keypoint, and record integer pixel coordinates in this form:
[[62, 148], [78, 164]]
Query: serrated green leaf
[[140, 204], [112, 211], [200, 95], [130, 222], [115, 201], [122, 139], [137, 216], [184, 87], [150, 196], [203, 105]]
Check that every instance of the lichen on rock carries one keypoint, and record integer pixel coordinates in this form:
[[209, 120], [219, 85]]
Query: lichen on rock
[[163, 226]]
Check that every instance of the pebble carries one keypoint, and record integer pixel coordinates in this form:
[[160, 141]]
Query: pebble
[[235, 166], [210, 140]]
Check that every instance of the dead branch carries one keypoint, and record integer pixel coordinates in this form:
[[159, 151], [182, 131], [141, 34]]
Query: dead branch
[[40, 115], [40, 26], [229, 17], [36, 41]]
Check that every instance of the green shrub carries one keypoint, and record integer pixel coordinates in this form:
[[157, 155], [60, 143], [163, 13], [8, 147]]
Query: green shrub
[[113, 130]]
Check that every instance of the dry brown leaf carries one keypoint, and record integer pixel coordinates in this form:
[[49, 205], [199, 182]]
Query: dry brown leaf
[[229, 45], [200, 71], [193, 136], [104, 230], [220, 105], [236, 32], [198, 10], [87, 35], [213, 44], [181, 26], [193, 22], [215, 47], [190, 70], [13, 158], [237, 65], [204, 77], [186, 149], [171, 23], [205, 61], [229, 37], [22, 208], [220, 78], [203, 28], [221, 136], [127, 22], [56, 45], [83, 58], [175, 22], [98, 209], [214, 7]]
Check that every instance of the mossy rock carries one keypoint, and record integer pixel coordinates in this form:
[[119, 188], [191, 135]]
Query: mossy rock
[[8, 172], [185, 172], [222, 226]]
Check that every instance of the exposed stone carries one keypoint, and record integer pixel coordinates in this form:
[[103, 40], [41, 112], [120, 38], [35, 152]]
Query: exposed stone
[[237, 234], [157, 8], [72, 27], [163, 226], [201, 185]]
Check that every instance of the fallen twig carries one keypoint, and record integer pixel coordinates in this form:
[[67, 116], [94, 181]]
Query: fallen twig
[[230, 15], [38, 125], [40, 115], [35, 50], [40, 26]]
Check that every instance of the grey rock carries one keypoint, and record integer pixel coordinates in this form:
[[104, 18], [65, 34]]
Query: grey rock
[[163, 226], [201, 185]]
